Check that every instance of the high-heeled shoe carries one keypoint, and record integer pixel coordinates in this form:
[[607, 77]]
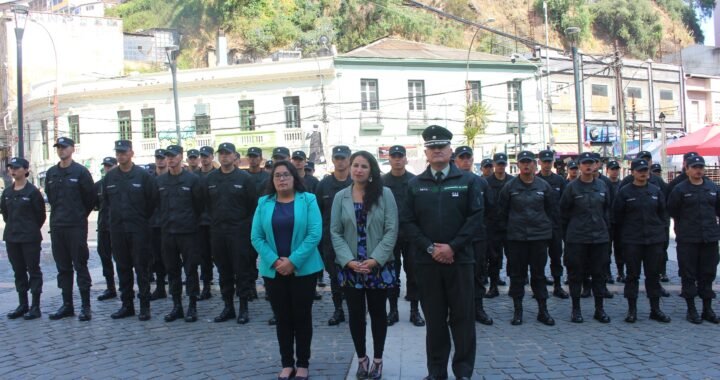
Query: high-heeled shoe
[[376, 370], [306, 377], [362, 370], [291, 376]]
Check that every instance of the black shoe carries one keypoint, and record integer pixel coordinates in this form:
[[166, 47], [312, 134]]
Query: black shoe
[[176, 312], [158, 293], [317, 296], [107, 294], [576, 316], [559, 292], [205, 293], [664, 278], [664, 292], [291, 376], [416, 319], [362, 370], [482, 317], [517, 313], [124, 312], [337, 317], [227, 313], [601, 316], [658, 315], [693, 317], [191, 314], [243, 314], [375, 370], [144, 310], [19, 311], [272, 321], [85, 313], [543, 314], [393, 317], [66, 310], [709, 315], [33, 313], [631, 316], [620, 278], [492, 292]]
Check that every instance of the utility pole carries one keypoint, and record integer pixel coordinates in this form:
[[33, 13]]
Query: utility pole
[[620, 101], [518, 97], [548, 99], [651, 97], [573, 32]]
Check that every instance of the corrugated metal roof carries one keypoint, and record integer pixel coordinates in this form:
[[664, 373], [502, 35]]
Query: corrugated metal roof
[[394, 48]]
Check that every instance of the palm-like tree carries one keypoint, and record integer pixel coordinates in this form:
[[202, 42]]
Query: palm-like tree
[[477, 116]]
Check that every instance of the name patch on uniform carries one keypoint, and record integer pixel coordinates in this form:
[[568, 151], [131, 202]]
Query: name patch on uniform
[[603, 194], [73, 179], [687, 195], [514, 193], [212, 186], [579, 196], [654, 197], [185, 188], [111, 186], [630, 200], [455, 194], [238, 186], [161, 189], [540, 193], [136, 185], [26, 198], [713, 194], [423, 189]]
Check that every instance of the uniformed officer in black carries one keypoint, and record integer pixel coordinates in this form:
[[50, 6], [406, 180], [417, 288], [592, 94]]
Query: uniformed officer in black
[[104, 245], [444, 212], [695, 206], [486, 166], [325, 193], [640, 217], [573, 171], [69, 188], [528, 210], [129, 192], [555, 246], [181, 203], [585, 213], [683, 175], [497, 246], [23, 211], [613, 174], [207, 156], [157, 266], [464, 161], [231, 201], [299, 159], [597, 173], [397, 181], [256, 171], [193, 160]]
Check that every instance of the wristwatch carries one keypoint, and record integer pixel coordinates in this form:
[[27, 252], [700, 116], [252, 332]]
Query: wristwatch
[[431, 248]]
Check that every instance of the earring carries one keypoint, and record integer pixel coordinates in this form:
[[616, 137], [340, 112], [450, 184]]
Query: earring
[[370, 180]]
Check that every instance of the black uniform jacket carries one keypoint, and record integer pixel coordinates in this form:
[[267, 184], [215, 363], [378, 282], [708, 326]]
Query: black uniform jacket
[[492, 219], [399, 187], [640, 214], [655, 180], [449, 212], [130, 198], [103, 221], [325, 193], [24, 214], [71, 194], [205, 216], [695, 209], [558, 184], [231, 201], [585, 212], [528, 211], [181, 202]]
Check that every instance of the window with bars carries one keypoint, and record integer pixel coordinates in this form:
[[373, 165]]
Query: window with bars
[[513, 89], [416, 95], [369, 94], [292, 111], [202, 119], [148, 123], [74, 124], [45, 141], [474, 89], [634, 92], [124, 125], [247, 115]]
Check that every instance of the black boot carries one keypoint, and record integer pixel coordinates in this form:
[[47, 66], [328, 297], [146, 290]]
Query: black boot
[[586, 288], [338, 315], [191, 314], [631, 316], [66, 310], [159, 291], [600, 314], [664, 292], [85, 312], [110, 292], [22, 306], [576, 315], [205, 293], [243, 316], [708, 314], [493, 290], [558, 290], [655, 312], [126, 310], [34, 311], [664, 278], [692, 314], [518, 313], [144, 309], [415, 318], [393, 317], [480, 314], [543, 314], [228, 311], [177, 310]]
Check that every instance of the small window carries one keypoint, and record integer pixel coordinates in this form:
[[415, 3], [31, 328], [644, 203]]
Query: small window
[[148, 123], [600, 90], [634, 93], [247, 115], [666, 95], [124, 125], [202, 119], [369, 94], [416, 95], [292, 111], [513, 88], [475, 91], [74, 124]]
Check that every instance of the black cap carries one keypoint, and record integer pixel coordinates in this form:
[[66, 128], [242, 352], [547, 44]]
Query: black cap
[[341, 151], [173, 150], [309, 165], [109, 161], [585, 157], [644, 154], [397, 149], [459, 151], [526, 155], [655, 168], [226, 147], [18, 162], [123, 145], [64, 142], [193, 153], [206, 151], [688, 155], [254, 151], [696, 161], [572, 165], [486, 162], [500, 158], [281, 151], [268, 163], [299, 154], [547, 155], [613, 165], [160, 153], [596, 156], [639, 164], [436, 135]]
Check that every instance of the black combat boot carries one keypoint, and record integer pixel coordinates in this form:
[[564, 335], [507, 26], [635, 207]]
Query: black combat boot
[[159, 291], [228, 311], [493, 290], [576, 315], [66, 310], [415, 317], [126, 310], [543, 314], [558, 291], [338, 315], [191, 314], [708, 314], [205, 294], [110, 292], [692, 314], [655, 312], [393, 317], [144, 309], [34, 311], [600, 314], [243, 314], [177, 310], [480, 314], [22, 306], [518, 313], [85, 312], [631, 316]]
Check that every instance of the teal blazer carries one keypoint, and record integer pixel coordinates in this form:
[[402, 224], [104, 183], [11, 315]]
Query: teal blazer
[[307, 232]]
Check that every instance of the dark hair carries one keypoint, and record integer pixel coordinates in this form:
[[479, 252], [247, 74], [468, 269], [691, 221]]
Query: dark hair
[[298, 184], [374, 187]]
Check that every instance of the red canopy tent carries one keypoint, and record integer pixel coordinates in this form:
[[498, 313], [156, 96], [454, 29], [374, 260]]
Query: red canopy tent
[[691, 142], [710, 147]]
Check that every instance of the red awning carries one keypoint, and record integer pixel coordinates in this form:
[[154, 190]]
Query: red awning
[[691, 142], [710, 147]]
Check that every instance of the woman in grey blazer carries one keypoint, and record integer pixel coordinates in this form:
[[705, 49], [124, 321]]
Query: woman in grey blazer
[[364, 226]]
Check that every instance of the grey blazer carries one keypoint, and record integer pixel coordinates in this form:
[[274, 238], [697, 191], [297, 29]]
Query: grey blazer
[[381, 229]]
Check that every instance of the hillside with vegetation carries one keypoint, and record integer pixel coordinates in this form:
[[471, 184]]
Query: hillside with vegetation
[[256, 28]]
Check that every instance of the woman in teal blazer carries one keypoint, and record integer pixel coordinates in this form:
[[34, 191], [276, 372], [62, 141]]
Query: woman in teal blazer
[[286, 231]]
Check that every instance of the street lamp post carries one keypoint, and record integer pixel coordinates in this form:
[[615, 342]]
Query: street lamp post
[[573, 33], [172, 52], [21, 13], [663, 137]]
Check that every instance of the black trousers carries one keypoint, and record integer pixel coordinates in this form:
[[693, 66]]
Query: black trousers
[[70, 251], [646, 257], [581, 258], [332, 269], [481, 267], [292, 299], [497, 248], [180, 253], [104, 248], [157, 266], [617, 250], [206, 254], [131, 252], [555, 252], [361, 302], [698, 267], [522, 254], [25, 261], [406, 250], [234, 262], [446, 303]]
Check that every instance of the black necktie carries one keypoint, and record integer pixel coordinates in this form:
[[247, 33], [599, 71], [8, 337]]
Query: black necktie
[[439, 177]]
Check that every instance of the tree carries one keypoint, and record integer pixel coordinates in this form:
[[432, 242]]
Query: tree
[[477, 116]]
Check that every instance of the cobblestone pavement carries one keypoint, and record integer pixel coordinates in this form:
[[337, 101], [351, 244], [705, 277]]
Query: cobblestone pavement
[[105, 348]]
